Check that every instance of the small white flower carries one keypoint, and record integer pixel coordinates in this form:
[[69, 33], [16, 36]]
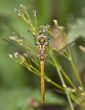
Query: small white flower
[[20, 14], [80, 88], [34, 12], [22, 6], [21, 44], [70, 58], [19, 40], [16, 54], [55, 22], [64, 86], [83, 93], [25, 54], [73, 90], [22, 59], [82, 48], [10, 55], [13, 38]]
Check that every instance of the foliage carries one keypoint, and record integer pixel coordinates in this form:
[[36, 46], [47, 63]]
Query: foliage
[[62, 10], [23, 56], [11, 73], [24, 99]]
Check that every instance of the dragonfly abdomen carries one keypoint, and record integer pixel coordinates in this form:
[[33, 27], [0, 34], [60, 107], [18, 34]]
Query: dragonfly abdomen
[[41, 52]]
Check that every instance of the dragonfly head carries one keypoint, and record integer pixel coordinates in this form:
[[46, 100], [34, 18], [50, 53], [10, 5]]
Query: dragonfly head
[[42, 40]]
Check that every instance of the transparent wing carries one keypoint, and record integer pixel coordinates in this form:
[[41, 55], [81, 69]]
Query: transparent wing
[[59, 40]]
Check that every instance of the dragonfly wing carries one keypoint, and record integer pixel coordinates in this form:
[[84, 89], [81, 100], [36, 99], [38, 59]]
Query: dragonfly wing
[[58, 39]]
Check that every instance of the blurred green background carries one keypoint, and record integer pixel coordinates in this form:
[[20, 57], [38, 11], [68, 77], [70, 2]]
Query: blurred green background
[[17, 84]]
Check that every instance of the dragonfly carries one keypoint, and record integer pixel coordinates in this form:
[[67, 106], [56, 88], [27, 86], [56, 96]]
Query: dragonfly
[[42, 42], [57, 42], [44, 38]]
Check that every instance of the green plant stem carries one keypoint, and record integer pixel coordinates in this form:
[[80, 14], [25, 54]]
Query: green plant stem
[[68, 79], [35, 71], [66, 90], [65, 75], [28, 20], [76, 73], [25, 16], [63, 82], [74, 68]]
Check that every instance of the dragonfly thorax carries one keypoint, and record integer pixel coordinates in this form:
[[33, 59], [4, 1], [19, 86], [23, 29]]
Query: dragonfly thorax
[[42, 40], [42, 43]]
